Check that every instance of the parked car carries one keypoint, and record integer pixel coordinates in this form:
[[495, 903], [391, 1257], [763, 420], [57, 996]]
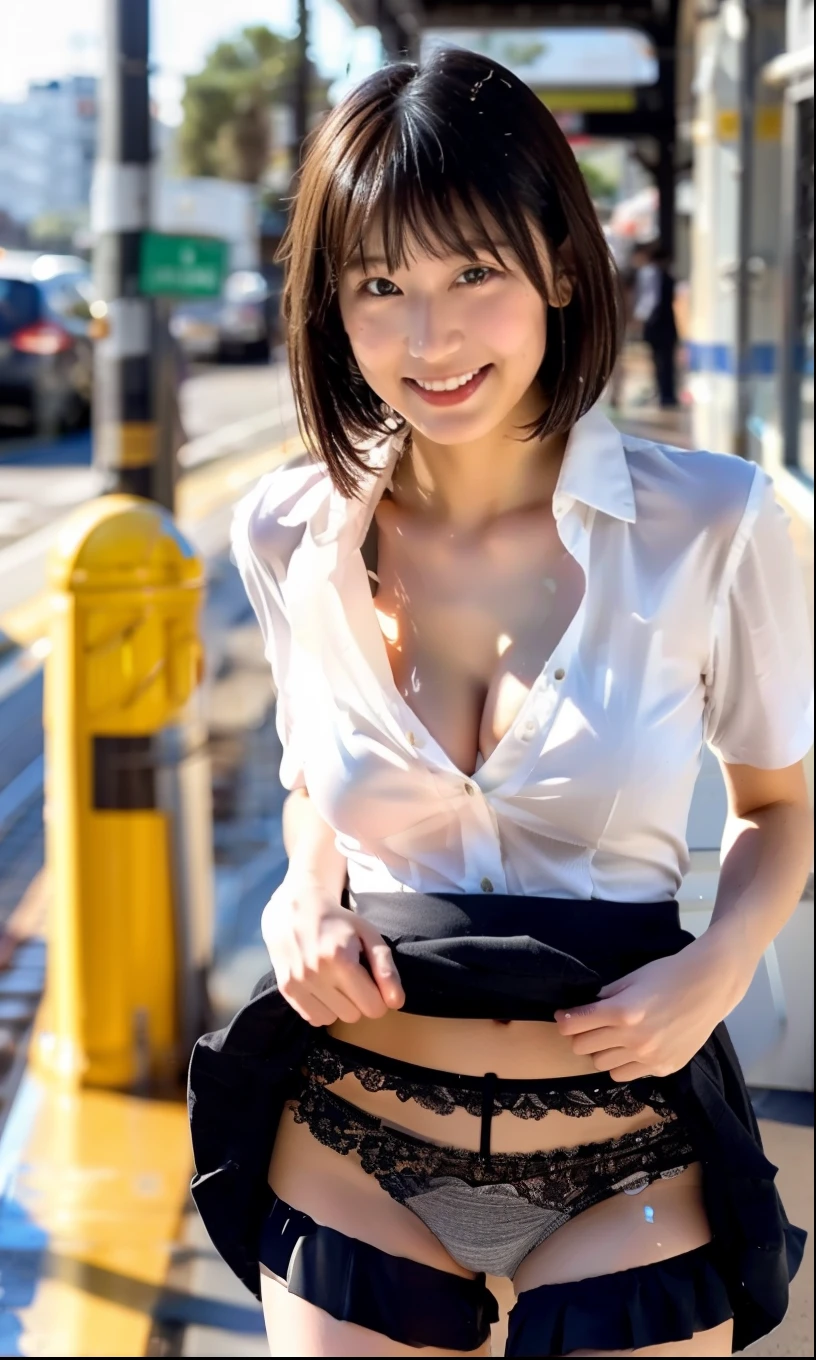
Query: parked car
[[195, 326], [239, 324], [46, 345], [245, 316]]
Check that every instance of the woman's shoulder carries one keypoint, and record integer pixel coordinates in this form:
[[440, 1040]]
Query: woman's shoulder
[[698, 491], [270, 520]]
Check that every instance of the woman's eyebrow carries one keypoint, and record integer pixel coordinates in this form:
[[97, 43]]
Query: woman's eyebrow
[[356, 264]]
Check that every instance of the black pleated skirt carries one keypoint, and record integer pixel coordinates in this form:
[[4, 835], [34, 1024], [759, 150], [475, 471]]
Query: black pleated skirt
[[502, 958]]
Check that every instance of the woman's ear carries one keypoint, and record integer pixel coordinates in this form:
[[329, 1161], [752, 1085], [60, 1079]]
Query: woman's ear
[[563, 284], [563, 289]]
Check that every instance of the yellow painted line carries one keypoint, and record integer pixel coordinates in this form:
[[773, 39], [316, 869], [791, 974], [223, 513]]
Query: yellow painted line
[[132, 444], [199, 493], [101, 1186]]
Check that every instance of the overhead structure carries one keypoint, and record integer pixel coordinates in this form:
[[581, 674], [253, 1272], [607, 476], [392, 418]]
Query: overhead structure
[[643, 114]]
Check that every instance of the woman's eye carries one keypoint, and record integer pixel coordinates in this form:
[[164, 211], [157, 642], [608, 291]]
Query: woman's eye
[[478, 274], [379, 288]]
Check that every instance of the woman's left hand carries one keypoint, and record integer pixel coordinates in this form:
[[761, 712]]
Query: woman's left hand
[[654, 1020]]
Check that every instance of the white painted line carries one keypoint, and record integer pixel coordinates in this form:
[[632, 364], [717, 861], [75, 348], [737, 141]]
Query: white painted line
[[209, 446], [23, 565], [16, 794], [15, 1136]]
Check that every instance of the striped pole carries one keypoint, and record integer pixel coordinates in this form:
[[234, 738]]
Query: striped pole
[[124, 421]]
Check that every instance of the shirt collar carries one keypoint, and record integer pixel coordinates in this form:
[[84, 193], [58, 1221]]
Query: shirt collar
[[349, 515], [595, 471]]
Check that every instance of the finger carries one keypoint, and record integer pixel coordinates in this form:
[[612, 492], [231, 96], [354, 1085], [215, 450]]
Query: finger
[[334, 996], [613, 988], [308, 1006], [598, 1040], [630, 1071], [383, 968], [580, 1019], [355, 982], [611, 1057]]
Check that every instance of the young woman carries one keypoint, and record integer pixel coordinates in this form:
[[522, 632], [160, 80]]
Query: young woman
[[500, 633]]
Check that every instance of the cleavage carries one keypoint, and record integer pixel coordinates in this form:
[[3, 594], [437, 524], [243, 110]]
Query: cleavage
[[469, 624]]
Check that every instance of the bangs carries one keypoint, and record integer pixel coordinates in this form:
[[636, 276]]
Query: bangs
[[427, 184], [418, 197]]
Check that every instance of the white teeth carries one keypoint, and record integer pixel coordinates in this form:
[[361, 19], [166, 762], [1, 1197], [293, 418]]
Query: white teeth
[[447, 384]]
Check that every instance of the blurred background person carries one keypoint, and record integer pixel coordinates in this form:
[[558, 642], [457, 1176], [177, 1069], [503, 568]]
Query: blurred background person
[[653, 309]]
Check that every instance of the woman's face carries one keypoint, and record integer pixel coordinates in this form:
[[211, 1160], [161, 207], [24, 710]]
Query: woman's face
[[452, 344]]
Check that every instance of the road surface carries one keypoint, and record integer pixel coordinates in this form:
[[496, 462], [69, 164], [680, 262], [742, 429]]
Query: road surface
[[224, 410]]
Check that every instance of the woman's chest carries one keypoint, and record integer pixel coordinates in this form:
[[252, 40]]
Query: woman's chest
[[469, 624], [571, 705]]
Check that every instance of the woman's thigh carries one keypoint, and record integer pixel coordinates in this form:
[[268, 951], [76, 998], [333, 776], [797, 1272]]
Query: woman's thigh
[[617, 1235], [336, 1192]]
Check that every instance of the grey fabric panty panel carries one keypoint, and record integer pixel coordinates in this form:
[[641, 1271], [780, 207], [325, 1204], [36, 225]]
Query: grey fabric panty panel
[[492, 1228], [490, 1211]]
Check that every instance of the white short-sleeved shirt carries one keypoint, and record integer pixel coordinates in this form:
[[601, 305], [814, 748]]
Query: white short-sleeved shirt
[[693, 628]]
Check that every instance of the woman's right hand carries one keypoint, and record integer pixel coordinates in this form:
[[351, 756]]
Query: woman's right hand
[[316, 946]]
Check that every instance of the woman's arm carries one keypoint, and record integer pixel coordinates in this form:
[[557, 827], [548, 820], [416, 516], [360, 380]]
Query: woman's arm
[[767, 853], [309, 844], [654, 1020], [315, 944]]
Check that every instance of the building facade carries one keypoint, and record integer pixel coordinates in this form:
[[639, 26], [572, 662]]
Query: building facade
[[47, 149]]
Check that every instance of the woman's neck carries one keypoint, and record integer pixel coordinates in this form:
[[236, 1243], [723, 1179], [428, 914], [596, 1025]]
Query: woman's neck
[[468, 485]]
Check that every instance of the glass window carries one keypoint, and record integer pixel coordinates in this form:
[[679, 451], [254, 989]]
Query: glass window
[[68, 299]]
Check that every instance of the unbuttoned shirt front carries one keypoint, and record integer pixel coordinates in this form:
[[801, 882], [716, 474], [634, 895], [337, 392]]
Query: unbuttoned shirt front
[[693, 628]]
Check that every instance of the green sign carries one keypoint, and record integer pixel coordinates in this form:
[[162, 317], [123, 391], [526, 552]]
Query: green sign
[[182, 266]]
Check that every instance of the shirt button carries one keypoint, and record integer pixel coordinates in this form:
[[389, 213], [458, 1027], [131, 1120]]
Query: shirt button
[[526, 730], [560, 674], [486, 886], [470, 790], [413, 739]]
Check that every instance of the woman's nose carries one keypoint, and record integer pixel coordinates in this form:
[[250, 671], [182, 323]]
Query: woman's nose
[[431, 335]]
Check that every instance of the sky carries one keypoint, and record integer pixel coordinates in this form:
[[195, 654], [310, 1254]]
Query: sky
[[45, 39]]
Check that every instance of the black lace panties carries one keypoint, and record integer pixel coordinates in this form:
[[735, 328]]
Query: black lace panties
[[488, 1209]]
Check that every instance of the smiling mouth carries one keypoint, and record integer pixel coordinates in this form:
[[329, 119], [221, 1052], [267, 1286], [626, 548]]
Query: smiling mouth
[[447, 391]]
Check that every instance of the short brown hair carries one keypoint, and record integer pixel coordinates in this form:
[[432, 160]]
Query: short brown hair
[[411, 144]]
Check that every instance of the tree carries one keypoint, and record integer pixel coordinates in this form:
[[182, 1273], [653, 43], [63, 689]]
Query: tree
[[226, 129], [511, 50], [601, 186]]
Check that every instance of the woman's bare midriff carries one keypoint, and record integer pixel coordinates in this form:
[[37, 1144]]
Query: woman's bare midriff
[[518, 1050]]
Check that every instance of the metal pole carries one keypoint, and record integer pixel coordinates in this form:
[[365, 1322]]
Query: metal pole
[[301, 109], [124, 418], [742, 347]]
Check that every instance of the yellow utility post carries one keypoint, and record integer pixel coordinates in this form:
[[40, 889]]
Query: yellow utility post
[[125, 659]]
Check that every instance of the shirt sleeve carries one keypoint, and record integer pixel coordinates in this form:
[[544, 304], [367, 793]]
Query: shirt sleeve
[[265, 596], [759, 702]]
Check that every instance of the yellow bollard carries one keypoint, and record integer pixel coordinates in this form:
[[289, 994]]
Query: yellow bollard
[[125, 659]]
